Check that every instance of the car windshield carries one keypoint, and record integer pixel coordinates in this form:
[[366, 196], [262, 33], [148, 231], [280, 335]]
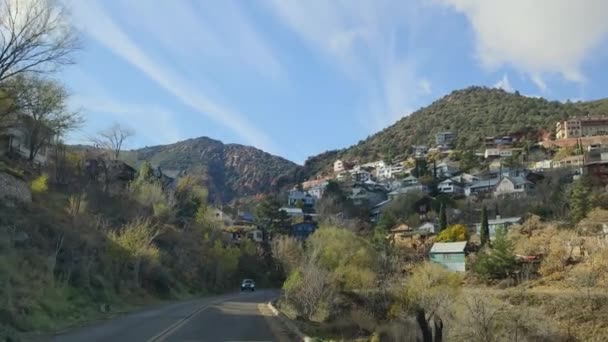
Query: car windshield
[[247, 281]]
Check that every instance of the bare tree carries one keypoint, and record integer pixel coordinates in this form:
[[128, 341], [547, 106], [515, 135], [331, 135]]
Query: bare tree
[[113, 138], [35, 36], [41, 107]]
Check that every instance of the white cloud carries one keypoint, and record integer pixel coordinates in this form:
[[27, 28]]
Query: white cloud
[[536, 37], [504, 84], [358, 37], [91, 17]]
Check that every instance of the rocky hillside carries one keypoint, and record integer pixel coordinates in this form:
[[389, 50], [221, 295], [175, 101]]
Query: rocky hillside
[[472, 113], [230, 170]]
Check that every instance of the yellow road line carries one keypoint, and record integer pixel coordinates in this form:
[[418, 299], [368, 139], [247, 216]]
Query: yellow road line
[[180, 323]]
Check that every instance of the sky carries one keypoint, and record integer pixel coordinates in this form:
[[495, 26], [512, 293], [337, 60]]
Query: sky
[[296, 78]]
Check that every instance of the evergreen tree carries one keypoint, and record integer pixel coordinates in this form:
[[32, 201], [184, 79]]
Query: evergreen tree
[[484, 234], [499, 262], [443, 217], [579, 200], [382, 229]]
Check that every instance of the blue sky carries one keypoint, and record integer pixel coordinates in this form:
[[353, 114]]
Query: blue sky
[[296, 78]]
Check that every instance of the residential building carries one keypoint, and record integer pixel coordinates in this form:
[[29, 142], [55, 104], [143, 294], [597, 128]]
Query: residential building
[[367, 195], [481, 186], [389, 171], [516, 186], [374, 165], [428, 227], [466, 178], [499, 222], [581, 127], [255, 235], [445, 138], [596, 166], [338, 166], [317, 190], [14, 141], [307, 185], [404, 190], [497, 152], [420, 150], [296, 196], [571, 161], [360, 175], [409, 181], [293, 212], [544, 164], [451, 255], [450, 186], [446, 169]]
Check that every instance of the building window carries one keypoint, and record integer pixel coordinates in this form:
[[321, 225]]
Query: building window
[[446, 257]]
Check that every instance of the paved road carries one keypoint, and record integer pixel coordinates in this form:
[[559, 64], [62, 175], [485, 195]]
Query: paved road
[[232, 317]]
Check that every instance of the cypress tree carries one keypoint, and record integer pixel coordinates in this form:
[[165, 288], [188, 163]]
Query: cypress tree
[[484, 234], [443, 217]]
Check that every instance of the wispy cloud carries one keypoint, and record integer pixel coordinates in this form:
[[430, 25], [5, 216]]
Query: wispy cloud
[[359, 39], [536, 37], [136, 115], [504, 84], [94, 20]]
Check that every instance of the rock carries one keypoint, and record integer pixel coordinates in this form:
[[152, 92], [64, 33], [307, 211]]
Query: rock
[[14, 188]]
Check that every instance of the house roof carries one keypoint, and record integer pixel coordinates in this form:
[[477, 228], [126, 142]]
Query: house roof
[[292, 210], [484, 183], [401, 227], [505, 220], [518, 180], [448, 247]]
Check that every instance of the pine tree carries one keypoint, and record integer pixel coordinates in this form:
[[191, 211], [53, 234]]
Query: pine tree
[[443, 218], [484, 233], [579, 200]]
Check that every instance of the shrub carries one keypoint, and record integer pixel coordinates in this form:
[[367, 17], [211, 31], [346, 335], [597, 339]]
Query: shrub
[[497, 262], [453, 233], [40, 184]]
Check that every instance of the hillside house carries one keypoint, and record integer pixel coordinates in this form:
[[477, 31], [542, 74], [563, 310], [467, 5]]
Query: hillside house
[[499, 222], [296, 196], [293, 212], [445, 138], [481, 187], [501, 152], [220, 217], [360, 175], [451, 255], [445, 169], [367, 194], [451, 187], [571, 161], [317, 190], [543, 164], [466, 178], [513, 186]]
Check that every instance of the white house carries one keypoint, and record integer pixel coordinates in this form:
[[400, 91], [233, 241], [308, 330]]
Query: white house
[[543, 164], [513, 186], [497, 223], [360, 175], [501, 152], [316, 191], [389, 171], [445, 169], [296, 196], [466, 178], [428, 227], [338, 166], [450, 186]]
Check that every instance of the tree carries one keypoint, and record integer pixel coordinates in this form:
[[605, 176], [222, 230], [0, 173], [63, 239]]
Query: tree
[[382, 229], [42, 107], [453, 233], [579, 200], [113, 138], [269, 215], [499, 261], [36, 36], [484, 234], [443, 217]]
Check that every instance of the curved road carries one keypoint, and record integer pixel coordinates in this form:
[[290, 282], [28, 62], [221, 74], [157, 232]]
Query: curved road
[[232, 317]]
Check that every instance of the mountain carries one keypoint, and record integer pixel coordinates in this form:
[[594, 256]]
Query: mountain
[[473, 113], [230, 170]]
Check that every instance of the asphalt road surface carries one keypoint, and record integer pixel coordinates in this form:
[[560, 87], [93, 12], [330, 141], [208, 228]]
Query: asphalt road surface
[[231, 317]]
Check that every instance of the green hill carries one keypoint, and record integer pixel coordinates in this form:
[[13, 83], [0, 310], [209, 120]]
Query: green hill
[[473, 113], [230, 170]]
